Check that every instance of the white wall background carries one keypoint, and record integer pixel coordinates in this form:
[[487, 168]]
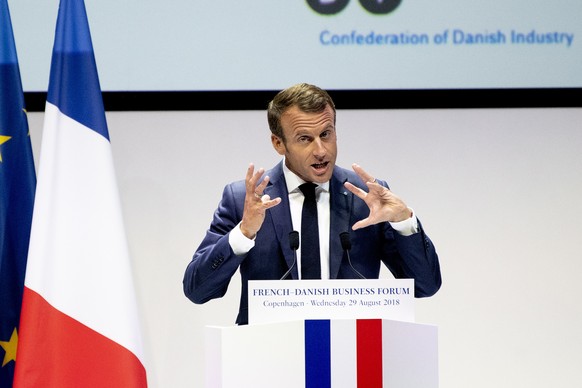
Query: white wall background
[[498, 191]]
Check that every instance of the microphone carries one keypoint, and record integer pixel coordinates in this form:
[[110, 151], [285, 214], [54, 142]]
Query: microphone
[[294, 245], [346, 246]]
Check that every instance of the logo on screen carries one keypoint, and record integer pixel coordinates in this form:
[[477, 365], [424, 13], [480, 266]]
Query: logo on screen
[[332, 7], [328, 7]]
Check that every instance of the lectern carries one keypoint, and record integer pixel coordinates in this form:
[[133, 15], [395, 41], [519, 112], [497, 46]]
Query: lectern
[[320, 353]]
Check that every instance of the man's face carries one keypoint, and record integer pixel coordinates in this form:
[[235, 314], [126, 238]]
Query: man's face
[[310, 146]]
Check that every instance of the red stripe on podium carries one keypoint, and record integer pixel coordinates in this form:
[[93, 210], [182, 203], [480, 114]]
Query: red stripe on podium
[[369, 353]]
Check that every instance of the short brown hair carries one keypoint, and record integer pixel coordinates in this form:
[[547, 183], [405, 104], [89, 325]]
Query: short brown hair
[[308, 98]]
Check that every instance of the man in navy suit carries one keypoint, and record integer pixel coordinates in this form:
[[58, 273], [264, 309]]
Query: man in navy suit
[[250, 229]]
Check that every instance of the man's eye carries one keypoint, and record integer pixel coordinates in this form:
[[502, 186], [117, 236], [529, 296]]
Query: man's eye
[[326, 134]]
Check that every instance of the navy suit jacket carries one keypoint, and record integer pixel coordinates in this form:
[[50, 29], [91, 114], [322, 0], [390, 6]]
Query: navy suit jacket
[[214, 263]]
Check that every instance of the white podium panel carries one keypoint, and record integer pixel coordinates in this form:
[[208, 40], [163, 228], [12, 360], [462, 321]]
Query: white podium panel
[[255, 356], [359, 353]]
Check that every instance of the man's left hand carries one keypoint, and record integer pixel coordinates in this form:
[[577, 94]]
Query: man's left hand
[[384, 205]]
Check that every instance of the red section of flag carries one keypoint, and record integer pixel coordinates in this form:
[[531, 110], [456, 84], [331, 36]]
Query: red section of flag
[[369, 353], [69, 353]]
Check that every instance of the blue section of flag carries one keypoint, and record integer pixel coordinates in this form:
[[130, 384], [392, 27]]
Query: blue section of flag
[[7, 48], [74, 86], [17, 185], [317, 354]]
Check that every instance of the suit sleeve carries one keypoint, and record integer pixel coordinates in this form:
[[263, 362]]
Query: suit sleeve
[[418, 260], [415, 258], [214, 263]]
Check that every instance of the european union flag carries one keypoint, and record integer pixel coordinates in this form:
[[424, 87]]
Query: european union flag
[[17, 186]]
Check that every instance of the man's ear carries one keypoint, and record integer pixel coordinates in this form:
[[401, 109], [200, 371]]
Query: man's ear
[[278, 144]]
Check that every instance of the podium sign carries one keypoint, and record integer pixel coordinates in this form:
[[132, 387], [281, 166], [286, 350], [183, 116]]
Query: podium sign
[[273, 301]]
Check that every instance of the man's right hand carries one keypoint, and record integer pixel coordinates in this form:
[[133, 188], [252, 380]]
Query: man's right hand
[[256, 203]]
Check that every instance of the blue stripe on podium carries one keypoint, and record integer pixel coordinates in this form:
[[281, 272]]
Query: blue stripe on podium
[[317, 354]]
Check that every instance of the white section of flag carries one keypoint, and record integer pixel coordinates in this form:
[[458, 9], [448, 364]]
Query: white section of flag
[[343, 353], [78, 257]]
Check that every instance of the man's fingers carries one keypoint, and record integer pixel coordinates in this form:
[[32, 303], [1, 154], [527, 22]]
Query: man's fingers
[[361, 224], [261, 186], [269, 203], [256, 176], [249, 175], [355, 190], [252, 178], [364, 176], [375, 186]]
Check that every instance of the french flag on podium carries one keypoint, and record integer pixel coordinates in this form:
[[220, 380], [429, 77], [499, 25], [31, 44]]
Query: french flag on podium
[[354, 347], [79, 324], [336, 353]]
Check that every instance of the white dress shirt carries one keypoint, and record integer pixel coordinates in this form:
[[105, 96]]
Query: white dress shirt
[[240, 244]]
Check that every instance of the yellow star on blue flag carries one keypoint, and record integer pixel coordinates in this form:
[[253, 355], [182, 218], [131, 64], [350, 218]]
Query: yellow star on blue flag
[[3, 139], [10, 347]]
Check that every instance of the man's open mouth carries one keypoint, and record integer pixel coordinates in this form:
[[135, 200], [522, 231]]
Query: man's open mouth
[[319, 166]]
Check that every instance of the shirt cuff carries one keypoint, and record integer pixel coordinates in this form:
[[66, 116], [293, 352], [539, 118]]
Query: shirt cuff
[[238, 242], [407, 227]]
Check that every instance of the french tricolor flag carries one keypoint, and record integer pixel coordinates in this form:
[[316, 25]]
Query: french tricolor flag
[[79, 325], [343, 354]]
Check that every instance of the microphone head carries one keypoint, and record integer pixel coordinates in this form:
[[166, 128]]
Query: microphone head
[[294, 240], [345, 240]]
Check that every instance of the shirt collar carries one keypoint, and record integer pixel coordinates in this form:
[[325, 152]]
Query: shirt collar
[[293, 181]]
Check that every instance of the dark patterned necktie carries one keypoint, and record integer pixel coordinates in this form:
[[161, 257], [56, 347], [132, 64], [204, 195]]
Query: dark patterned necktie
[[310, 261]]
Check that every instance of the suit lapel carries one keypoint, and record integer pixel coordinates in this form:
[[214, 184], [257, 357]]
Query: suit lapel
[[280, 215], [340, 210]]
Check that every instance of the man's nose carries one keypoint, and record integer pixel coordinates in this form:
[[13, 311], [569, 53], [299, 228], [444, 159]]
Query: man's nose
[[319, 149]]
